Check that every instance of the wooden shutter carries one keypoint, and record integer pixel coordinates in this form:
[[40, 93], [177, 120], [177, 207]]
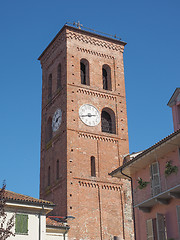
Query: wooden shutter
[[155, 179], [178, 217], [161, 230], [149, 228], [21, 225]]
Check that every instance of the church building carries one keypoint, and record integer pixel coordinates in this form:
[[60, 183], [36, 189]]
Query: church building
[[84, 134]]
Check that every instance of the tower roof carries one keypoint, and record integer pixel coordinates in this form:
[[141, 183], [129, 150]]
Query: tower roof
[[79, 30]]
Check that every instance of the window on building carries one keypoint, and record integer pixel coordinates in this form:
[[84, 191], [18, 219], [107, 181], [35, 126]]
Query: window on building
[[155, 179], [57, 169], [93, 167], [50, 86], [155, 228], [59, 77], [49, 130], [84, 65], [108, 121], [161, 228], [21, 224], [150, 229], [116, 238], [106, 75]]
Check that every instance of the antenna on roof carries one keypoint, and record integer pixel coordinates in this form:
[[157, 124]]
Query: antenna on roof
[[79, 26]]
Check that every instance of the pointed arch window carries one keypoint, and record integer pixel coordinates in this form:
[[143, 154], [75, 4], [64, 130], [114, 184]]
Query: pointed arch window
[[108, 121], [59, 84], [84, 67], [50, 87], [49, 176], [106, 76], [93, 167]]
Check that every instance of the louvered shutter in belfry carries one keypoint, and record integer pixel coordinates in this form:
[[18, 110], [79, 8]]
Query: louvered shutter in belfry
[[161, 230], [155, 179], [149, 229]]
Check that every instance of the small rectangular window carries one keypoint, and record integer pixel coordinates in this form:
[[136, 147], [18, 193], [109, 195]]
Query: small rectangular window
[[93, 167], [21, 224]]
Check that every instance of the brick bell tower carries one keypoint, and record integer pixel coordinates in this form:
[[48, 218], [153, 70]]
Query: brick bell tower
[[84, 134]]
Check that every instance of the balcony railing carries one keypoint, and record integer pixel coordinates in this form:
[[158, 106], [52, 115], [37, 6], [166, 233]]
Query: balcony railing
[[170, 188]]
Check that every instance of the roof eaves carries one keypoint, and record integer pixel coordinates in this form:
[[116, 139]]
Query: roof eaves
[[28, 202], [145, 152], [176, 92], [61, 227]]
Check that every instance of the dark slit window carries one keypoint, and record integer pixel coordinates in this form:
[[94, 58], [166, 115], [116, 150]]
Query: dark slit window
[[106, 76], [93, 167], [105, 83], [83, 73]]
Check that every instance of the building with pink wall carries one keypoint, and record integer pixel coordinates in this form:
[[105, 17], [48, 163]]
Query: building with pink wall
[[174, 103], [155, 176]]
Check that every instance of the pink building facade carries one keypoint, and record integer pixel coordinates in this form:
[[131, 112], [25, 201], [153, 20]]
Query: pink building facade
[[174, 103], [155, 176]]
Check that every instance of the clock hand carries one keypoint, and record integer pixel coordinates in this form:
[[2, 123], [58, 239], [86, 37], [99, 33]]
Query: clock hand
[[88, 115], [57, 119]]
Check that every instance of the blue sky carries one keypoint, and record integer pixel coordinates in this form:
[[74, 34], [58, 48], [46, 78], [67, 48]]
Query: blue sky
[[152, 72]]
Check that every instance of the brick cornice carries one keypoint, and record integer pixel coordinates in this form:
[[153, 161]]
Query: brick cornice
[[94, 41]]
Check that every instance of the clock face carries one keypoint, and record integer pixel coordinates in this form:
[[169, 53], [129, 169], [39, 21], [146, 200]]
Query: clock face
[[57, 119], [89, 115]]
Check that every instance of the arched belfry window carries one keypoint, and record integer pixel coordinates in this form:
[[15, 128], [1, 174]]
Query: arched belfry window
[[49, 176], [59, 83], [50, 86], [108, 122], [106, 76], [93, 167], [49, 130], [84, 67]]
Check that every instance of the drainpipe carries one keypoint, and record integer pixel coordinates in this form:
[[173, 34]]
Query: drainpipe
[[64, 235], [132, 201], [40, 223]]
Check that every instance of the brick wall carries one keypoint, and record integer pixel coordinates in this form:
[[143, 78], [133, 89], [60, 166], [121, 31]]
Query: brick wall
[[101, 205]]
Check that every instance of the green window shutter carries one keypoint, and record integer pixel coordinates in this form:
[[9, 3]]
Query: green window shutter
[[21, 225]]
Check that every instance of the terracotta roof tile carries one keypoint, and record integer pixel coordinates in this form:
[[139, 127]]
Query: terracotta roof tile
[[12, 196]]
